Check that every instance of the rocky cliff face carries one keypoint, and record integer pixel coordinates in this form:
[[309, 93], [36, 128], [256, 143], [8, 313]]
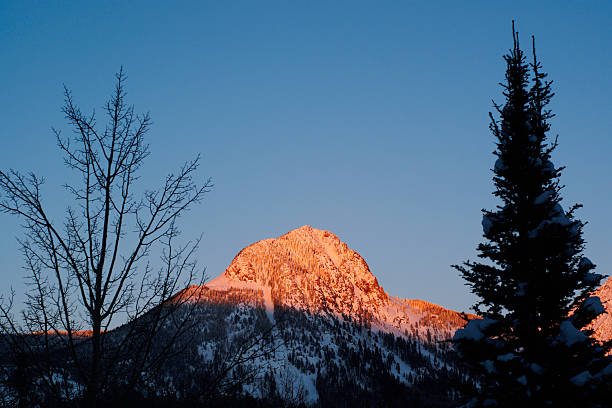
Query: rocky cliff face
[[602, 325]]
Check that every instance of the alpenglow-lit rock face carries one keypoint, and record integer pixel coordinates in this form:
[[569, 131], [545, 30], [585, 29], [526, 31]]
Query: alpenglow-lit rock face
[[313, 271], [602, 325]]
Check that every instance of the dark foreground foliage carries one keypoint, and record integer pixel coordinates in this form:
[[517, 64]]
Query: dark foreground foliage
[[534, 283]]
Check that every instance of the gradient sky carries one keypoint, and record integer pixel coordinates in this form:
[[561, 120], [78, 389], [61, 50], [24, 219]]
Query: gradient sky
[[368, 119]]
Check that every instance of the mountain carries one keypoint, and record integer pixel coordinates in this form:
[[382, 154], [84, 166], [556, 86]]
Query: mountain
[[333, 335], [312, 271]]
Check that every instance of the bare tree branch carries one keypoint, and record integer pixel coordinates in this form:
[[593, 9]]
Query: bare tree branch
[[93, 269]]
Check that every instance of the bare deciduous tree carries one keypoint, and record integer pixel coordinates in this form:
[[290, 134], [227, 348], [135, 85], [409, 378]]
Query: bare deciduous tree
[[93, 270]]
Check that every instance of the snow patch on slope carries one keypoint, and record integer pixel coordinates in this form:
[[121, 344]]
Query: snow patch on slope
[[223, 283]]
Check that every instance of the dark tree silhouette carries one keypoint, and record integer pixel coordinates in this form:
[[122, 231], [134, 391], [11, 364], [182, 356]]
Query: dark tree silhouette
[[93, 269], [534, 290]]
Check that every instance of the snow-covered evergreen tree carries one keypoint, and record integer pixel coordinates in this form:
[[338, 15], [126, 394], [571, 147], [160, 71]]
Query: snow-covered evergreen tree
[[534, 284]]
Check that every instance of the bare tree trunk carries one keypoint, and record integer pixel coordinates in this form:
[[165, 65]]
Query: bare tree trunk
[[91, 399]]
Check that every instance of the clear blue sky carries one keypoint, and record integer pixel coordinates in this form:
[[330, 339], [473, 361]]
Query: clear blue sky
[[369, 119]]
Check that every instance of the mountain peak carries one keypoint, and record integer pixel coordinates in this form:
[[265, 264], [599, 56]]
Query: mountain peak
[[307, 268], [312, 270]]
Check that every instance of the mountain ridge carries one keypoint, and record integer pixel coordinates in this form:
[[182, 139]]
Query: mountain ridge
[[313, 271]]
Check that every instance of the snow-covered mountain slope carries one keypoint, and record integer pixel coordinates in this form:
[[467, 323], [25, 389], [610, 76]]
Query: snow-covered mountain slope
[[312, 271], [602, 325], [333, 334]]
